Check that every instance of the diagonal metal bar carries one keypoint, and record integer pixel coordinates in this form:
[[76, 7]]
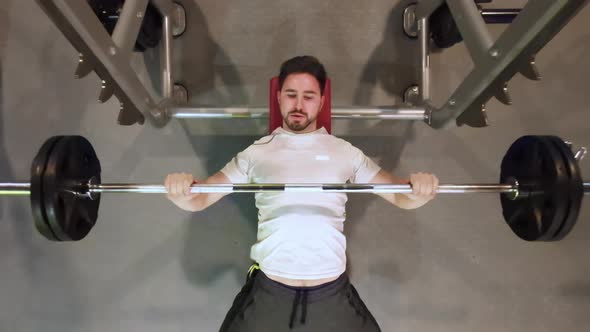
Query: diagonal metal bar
[[128, 25], [81, 27], [472, 27]]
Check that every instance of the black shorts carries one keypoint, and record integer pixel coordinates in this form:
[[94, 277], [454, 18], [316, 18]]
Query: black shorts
[[266, 305]]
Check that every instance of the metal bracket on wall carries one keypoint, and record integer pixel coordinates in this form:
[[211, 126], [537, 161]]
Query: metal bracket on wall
[[495, 62], [110, 56]]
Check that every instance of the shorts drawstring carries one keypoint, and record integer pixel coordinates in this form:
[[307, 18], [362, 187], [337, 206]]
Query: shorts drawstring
[[300, 296]]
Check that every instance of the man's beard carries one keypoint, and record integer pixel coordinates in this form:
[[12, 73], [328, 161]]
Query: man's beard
[[297, 124]]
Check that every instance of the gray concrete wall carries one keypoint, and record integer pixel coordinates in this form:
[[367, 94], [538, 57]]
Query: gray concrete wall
[[452, 265]]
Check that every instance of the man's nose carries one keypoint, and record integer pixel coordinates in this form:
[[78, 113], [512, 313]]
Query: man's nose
[[299, 104]]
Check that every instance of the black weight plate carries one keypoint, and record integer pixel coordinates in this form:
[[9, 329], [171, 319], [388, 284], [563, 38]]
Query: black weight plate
[[72, 162], [107, 12], [443, 28], [575, 188], [556, 191], [36, 197], [539, 169], [150, 32]]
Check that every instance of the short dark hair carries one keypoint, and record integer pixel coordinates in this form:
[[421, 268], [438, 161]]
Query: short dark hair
[[303, 64]]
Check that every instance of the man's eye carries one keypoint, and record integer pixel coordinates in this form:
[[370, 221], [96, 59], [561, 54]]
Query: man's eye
[[308, 98], [291, 96]]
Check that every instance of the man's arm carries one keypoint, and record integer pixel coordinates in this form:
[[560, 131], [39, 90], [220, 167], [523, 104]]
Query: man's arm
[[204, 200], [178, 187], [178, 184], [423, 185]]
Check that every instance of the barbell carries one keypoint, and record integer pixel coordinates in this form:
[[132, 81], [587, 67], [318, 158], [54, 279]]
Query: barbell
[[540, 188]]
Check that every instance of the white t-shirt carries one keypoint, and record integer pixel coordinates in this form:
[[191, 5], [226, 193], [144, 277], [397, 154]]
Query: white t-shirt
[[300, 234]]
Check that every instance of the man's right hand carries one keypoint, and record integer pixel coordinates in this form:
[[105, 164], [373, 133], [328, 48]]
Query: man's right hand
[[178, 186]]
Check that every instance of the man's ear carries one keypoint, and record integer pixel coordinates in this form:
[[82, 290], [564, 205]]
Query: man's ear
[[322, 103], [279, 97]]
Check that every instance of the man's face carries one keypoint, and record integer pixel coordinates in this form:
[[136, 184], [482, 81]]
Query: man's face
[[300, 102]]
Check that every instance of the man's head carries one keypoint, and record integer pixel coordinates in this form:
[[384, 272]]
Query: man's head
[[301, 93]]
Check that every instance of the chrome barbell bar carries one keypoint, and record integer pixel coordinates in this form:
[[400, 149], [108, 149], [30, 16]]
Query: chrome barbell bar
[[24, 188]]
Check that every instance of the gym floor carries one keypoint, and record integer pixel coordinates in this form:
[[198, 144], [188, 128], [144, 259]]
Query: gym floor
[[452, 265]]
